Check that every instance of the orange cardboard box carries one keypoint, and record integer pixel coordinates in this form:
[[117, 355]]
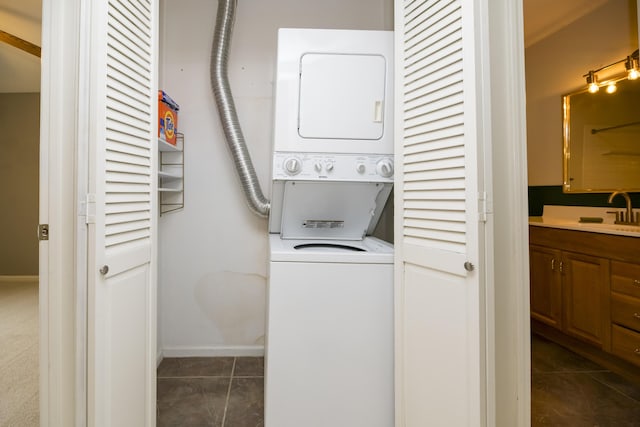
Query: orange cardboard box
[[167, 118]]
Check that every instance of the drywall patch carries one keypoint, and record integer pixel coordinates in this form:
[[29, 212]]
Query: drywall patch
[[235, 304]]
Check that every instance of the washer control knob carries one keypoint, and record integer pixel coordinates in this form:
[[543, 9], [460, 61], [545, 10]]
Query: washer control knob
[[292, 166], [328, 166], [384, 167], [318, 166], [361, 168]]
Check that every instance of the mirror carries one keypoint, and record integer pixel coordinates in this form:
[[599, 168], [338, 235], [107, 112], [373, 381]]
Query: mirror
[[602, 139]]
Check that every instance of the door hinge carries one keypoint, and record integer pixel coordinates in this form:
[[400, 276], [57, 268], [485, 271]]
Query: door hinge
[[485, 206], [43, 231], [89, 208]]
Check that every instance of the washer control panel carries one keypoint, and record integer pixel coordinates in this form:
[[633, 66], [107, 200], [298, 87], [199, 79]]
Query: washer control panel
[[332, 167]]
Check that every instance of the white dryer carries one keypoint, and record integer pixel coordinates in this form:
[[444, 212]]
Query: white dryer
[[329, 338], [334, 91]]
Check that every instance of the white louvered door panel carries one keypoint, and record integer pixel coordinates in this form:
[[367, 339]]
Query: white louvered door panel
[[439, 226], [122, 283]]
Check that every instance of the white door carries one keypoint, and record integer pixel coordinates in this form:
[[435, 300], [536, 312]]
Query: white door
[[440, 240], [121, 97]]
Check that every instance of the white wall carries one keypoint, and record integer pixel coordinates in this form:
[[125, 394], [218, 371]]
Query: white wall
[[555, 66], [213, 254]]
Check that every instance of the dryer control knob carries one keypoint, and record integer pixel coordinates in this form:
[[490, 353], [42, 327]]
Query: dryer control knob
[[329, 166], [384, 167], [361, 168], [318, 166], [292, 166]]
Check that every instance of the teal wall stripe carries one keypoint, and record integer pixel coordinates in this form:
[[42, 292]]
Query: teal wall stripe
[[553, 195]]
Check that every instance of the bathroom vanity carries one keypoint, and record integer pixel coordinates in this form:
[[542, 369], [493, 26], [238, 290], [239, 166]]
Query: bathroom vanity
[[585, 286]]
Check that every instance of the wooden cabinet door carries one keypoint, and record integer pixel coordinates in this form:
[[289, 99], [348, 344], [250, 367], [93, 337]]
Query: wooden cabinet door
[[586, 296], [545, 287]]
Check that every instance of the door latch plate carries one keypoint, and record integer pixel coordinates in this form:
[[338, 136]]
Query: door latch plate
[[43, 231]]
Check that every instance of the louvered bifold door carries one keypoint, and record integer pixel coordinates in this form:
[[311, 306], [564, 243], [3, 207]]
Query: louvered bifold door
[[439, 222], [122, 288]]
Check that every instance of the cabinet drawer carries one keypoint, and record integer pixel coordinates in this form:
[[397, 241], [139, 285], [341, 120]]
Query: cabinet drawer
[[625, 344], [625, 311], [625, 278]]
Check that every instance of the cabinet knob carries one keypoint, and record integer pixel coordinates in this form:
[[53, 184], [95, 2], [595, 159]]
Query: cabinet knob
[[637, 351], [636, 315], [636, 282]]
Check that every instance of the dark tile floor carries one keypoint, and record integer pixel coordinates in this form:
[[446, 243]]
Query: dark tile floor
[[568, 390], [217, 392]]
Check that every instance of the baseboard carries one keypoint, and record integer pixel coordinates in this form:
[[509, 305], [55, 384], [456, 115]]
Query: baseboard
[[216, 351], [21, 279]]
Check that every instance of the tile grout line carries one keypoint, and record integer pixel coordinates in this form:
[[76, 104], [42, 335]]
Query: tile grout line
[[226, 403], [606, 384]]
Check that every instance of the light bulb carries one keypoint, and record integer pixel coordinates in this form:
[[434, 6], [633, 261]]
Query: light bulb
[[630, 65], [611, 87], [592, 82]]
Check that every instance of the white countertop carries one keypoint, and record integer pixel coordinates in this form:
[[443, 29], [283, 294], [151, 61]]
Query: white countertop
[[568, 218]]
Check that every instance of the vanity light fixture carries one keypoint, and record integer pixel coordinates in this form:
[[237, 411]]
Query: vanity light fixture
[[631, 64], [592, 81]]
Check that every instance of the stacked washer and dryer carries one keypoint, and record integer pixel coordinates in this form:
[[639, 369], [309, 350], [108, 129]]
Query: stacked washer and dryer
[[329, 349]]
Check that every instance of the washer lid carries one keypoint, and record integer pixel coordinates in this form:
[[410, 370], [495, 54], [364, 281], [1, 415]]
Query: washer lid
[[328, 210]]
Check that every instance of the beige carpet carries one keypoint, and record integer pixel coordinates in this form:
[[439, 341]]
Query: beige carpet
[[18, 353]]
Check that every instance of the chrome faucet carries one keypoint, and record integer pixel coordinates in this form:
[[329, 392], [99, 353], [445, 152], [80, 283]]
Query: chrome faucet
[[629, 217]]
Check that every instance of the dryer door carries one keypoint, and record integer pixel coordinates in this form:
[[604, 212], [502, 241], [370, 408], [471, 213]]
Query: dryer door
[[341, 96]]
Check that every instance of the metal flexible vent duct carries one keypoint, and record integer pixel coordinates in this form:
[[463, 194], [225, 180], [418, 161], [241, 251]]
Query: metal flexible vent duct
[[227, 110]]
